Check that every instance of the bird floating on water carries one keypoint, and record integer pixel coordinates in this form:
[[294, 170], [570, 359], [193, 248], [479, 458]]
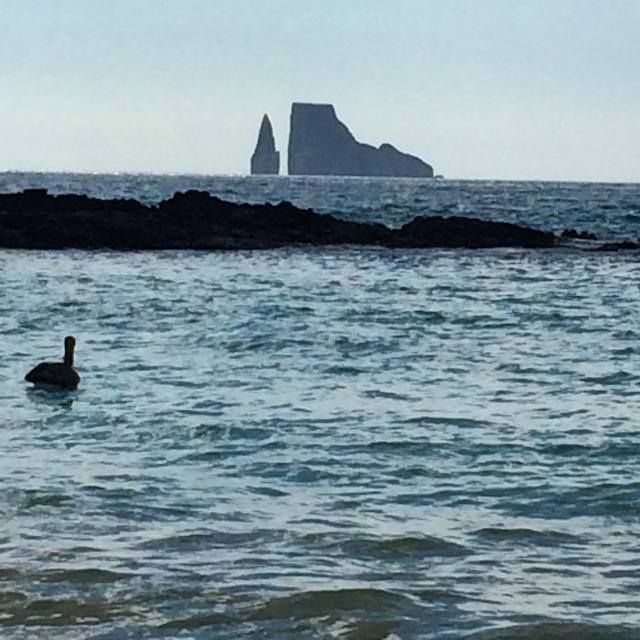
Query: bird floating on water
[[57, 375]]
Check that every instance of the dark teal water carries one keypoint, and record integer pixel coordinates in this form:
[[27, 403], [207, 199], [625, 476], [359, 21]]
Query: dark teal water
[[322, 444]]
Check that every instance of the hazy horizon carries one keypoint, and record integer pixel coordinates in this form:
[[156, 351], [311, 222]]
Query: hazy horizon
[[540, 90]]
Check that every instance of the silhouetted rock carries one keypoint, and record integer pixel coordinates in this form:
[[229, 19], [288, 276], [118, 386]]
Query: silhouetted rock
[[319, 144], [623, 245], [197, 220], [265, 159], [578, 235], [470, 233]]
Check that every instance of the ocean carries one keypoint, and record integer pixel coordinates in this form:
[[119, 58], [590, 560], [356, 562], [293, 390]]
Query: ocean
[[318, 443]]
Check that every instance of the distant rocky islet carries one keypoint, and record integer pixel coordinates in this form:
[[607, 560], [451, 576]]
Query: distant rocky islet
[[321, 145]]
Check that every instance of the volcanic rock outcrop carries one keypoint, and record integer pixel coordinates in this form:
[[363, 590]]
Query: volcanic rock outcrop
[[319, 144], [265, 159], [196, 220]]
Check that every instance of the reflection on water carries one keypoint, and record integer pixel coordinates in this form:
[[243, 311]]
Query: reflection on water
[[51, 396]]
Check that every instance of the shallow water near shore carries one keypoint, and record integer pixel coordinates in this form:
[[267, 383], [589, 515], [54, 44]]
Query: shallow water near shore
[[343, 443]]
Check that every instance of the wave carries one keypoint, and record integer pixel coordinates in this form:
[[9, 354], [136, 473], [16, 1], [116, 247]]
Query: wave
[[36, 498], [608, 499], [84, 576], [206, 540], [349, 613], [19, 609], [618, 377], [557, 631], [527, 536], [311, 604], [395, 548]]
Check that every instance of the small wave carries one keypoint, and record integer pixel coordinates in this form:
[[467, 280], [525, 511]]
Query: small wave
[[349, 613], [568, 449], [397, 548], [620, 449], [212, 455], [84, 576], [295, 473], [116, 493], [390, 395], [18, 609], [9, 599], [606, 499], [545, 538], [619, 377], [268, 491], [8, 573], [245, 433], [538, 375], [209, 432], [483, 322], [35, 498], [558, 631], [344, 370], [435, 596], [570, 413], [465, 423], [203, 541], [623, 353], [415, 447], [199, 621], [306, 474], [514, 367], [315, 604], [630, 572]]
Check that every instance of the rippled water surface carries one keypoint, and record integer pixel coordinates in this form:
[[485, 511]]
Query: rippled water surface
[[297, 444]]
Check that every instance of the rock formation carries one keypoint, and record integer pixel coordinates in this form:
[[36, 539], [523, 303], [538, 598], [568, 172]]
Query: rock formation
[[319, 144], [35, 219], [265, 159]]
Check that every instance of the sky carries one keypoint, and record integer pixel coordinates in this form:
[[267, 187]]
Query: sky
[[480, 89]]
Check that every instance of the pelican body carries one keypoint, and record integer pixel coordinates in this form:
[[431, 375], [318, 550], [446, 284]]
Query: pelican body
[[57, 375]]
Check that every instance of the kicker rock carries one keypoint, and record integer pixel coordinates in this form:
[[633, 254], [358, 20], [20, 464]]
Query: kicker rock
[[319, 144], [265, 159]]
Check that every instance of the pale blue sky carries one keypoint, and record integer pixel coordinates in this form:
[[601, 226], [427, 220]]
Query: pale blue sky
[[505, 89]]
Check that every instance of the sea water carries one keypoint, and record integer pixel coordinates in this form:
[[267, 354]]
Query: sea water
[[350, 443]]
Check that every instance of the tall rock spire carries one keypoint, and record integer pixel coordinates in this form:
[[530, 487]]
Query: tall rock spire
[[265, 159]]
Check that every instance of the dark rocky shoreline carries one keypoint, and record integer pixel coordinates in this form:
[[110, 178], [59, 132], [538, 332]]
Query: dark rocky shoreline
[[196, 220]]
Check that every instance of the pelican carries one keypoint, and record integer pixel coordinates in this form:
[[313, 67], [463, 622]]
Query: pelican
[[58, 375]]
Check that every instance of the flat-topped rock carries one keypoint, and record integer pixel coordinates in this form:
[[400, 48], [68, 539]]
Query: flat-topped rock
[[319, 144]]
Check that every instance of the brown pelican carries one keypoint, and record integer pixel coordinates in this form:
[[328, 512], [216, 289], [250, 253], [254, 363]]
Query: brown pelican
[[58, 375]]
